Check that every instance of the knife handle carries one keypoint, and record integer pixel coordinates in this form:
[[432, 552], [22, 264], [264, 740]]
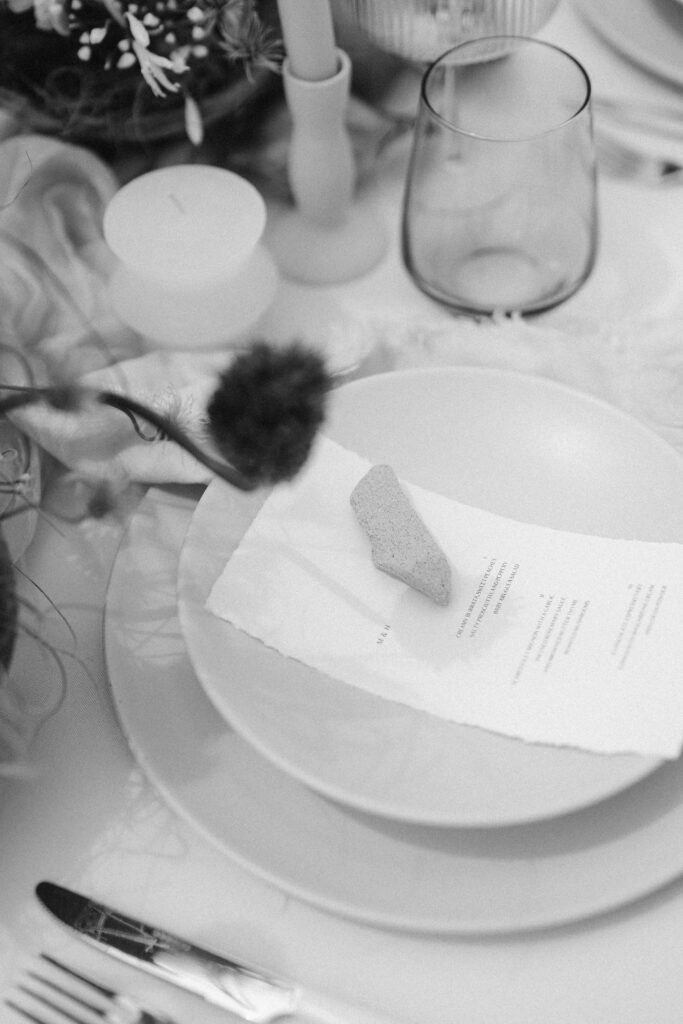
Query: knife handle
[[314, 1009]]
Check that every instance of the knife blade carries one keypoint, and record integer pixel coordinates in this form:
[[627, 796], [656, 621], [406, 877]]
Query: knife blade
[[248, 993]]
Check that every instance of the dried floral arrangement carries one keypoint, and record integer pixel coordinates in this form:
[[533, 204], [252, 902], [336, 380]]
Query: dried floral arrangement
[[126, 68], [260, 424]]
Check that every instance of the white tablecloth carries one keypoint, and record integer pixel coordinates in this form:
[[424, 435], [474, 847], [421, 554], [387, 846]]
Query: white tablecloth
[[88, 818]]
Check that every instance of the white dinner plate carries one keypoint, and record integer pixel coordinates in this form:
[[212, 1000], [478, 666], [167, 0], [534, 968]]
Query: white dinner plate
[[371, 870], [648, 32], [517, 445]]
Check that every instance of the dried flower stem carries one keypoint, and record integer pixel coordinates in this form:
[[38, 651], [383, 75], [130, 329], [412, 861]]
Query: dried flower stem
[[71, 398], [173, 433]]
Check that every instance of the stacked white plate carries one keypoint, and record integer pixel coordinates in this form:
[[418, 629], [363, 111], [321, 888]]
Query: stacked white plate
[[362, 806], [648, 32]]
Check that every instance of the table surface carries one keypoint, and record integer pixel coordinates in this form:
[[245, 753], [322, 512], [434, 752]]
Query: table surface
[[87, 817]]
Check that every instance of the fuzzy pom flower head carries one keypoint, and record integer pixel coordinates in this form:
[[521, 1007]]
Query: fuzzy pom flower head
[[266, 410]]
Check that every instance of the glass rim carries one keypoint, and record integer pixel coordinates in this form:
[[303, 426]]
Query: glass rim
[[492, 38]]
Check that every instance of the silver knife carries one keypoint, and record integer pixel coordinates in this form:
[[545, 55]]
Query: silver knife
[[243, 990]]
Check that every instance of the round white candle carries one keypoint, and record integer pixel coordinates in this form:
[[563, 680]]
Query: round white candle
[[185, 226], [191, 271], [308, 35]]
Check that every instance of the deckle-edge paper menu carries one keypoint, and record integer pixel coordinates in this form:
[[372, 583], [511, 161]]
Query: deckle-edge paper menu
[[551, 637]]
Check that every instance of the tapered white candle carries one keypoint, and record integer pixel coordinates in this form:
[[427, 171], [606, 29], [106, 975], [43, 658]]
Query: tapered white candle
[[308, 35]]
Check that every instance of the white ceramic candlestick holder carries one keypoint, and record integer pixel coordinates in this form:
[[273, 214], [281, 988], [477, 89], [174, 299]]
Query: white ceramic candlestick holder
[[328, 238]]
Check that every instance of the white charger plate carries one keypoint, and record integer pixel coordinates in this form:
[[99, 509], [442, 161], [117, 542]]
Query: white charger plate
[[518, 445], [648, 32], [382, 873]]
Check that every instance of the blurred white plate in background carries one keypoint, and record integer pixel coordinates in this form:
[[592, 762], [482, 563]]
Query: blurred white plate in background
[[649, 32]]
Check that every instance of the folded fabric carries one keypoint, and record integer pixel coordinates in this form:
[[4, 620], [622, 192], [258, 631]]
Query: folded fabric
[[54, 263], [57, 325], [552, 637]]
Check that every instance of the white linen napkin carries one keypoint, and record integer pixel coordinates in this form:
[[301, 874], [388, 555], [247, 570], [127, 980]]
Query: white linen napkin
[[552, 637]]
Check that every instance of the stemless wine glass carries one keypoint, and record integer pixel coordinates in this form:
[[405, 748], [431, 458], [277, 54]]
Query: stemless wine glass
[[500, 210]]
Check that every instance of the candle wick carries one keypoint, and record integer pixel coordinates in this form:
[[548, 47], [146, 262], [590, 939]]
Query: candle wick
[[176, 202]]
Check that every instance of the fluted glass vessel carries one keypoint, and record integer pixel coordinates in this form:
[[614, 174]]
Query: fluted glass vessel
[[421, 30]]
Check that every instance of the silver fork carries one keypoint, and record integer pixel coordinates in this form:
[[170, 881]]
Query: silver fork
[[47, 995]]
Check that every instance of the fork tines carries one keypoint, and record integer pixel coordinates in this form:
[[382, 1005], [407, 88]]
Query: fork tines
[[49, 997]]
